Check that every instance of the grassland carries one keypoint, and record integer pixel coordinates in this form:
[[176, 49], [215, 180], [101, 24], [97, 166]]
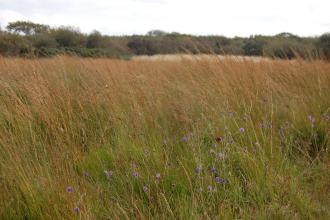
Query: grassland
[[164, 139]]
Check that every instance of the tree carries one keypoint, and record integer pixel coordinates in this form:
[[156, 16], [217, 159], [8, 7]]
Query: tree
[[95, 40], [69, 37], [43, 40], [254, 47], [324, 45], [14, 45], [27, 27], [286, 35]]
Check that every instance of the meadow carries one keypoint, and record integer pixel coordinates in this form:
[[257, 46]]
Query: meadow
[[164, 139]]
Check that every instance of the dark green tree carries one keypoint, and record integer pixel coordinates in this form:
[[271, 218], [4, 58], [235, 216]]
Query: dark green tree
[[27, 27], [95, 40], [254, 46], [68, 37], [324, 45]]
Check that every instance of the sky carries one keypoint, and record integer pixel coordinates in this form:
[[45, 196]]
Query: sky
[[199, 17]]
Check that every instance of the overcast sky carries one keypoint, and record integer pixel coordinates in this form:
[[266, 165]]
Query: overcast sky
[[201, 17]]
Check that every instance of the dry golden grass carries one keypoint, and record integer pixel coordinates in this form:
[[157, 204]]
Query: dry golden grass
[[65, 116]]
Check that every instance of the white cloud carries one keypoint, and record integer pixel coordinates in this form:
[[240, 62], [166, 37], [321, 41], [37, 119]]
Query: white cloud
[[9, 15], [230, 18]]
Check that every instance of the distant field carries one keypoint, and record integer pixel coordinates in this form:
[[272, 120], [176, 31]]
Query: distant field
[[199, 57], [164, 137]]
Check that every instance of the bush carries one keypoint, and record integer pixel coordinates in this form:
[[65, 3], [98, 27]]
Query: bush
[[47, 52], [68, 37], [324, 45], [14, 45], [95, 40], [254, 47], [43, 41]]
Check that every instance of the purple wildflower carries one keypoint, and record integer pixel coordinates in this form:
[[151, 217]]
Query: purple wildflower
[[209, 188], [76, 210], [135, 174], [199, 169], [184, 139], [242, 129], [108, 173], [213, 170], [145, 189], [220, 180], [85, 174], [69, 189], [157, 176]]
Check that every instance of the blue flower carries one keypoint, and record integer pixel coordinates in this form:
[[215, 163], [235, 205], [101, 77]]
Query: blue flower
[[242, 130]]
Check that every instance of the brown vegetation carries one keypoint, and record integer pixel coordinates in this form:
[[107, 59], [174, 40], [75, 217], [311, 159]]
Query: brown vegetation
[[63, 117]]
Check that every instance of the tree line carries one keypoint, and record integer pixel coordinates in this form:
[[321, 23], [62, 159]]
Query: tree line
[[28, 39]]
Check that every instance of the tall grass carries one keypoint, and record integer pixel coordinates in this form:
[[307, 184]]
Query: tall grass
[[186, 139]]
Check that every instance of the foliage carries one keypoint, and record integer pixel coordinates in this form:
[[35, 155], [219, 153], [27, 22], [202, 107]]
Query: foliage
[[68, 37], [16, 45], [254, 46], [71, 40], [324, 45], [27, 27], [95, 40]]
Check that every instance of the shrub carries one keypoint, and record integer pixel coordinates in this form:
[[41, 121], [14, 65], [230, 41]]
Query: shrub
[[14, 45], [254, 47], [68, 37], [324, 45]]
